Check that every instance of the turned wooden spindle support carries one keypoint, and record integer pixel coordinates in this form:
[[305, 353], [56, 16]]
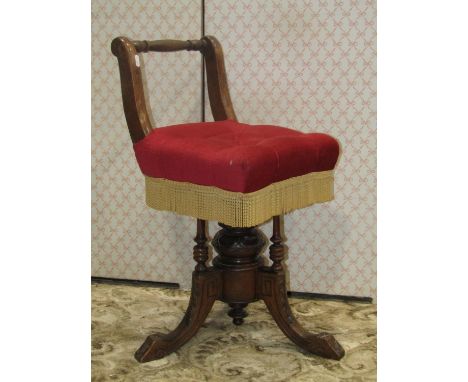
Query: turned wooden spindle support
[[200, 250], [277, 248]]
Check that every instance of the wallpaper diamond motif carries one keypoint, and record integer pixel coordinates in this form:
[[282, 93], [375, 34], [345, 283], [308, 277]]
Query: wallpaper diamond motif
[[129, 240], [308, 65], [311, 66]]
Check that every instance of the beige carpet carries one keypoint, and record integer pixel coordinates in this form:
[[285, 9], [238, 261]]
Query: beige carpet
[[122, 317]]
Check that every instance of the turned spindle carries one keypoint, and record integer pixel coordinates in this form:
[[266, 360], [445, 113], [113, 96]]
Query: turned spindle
[[200, 250], [277, 248]]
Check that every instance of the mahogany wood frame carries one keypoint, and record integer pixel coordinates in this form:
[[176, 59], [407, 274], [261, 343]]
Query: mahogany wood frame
[[238, 275]]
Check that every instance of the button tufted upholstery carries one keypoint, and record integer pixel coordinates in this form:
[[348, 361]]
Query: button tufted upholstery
[[233, 156]]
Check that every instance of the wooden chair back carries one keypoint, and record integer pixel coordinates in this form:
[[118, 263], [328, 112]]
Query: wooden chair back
[[135, 108]]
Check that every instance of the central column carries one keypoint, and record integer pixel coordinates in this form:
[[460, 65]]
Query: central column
[[238, 259]]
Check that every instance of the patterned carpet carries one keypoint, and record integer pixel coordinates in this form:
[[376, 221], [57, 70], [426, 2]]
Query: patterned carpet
[[123, 316]]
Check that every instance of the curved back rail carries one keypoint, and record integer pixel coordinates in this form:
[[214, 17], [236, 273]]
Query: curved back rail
[[136, 112]]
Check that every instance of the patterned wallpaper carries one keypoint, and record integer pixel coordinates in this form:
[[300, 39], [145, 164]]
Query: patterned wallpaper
[[311, 65], [308, 65], [129, 240]]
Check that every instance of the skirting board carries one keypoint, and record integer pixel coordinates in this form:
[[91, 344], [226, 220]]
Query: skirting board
[[157, 284], [142, 283]]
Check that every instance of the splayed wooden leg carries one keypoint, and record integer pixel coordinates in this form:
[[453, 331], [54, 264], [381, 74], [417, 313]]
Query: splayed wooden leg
[[271, 287], [206, 287], [272, 290]]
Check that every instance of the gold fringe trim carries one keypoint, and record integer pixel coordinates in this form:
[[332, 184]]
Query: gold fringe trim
[[239, 209]]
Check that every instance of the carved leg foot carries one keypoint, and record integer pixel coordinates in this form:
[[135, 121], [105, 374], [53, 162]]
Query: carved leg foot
[[237, 313], [272, 289], [206, 287]]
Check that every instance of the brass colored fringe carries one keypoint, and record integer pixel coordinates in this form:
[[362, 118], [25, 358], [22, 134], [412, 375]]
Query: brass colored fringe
[[239, 209]]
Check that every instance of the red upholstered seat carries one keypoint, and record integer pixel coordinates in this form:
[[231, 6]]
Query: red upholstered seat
[[233, 156]]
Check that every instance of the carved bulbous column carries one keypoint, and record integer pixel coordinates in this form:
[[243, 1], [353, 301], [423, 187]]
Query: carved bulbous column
[[238, 259]]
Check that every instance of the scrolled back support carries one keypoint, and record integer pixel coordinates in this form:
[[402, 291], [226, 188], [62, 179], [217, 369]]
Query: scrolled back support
[[133, 96], [218, 89]]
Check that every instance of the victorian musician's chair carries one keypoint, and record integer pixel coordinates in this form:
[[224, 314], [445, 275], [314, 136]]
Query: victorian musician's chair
[[237, 174]]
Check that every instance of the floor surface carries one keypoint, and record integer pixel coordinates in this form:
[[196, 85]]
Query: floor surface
[[123, 316]]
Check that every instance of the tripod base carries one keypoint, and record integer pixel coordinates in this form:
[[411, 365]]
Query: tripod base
[[238, 278]]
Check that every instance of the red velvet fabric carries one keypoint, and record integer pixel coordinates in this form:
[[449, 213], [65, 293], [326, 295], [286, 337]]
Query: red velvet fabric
[[233, 156]]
